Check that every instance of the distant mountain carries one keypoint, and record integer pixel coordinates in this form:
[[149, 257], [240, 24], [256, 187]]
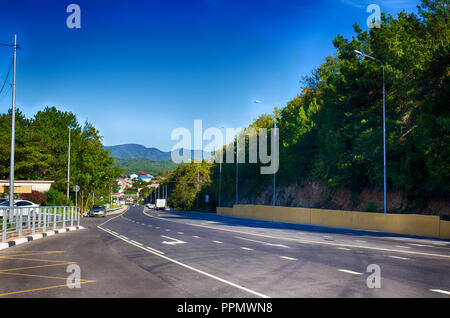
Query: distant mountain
[[128, 151], [143, 165], [138, 151]]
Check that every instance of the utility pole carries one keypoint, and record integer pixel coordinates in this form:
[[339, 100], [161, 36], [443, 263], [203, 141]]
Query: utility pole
[[68, 169], [13, 130]]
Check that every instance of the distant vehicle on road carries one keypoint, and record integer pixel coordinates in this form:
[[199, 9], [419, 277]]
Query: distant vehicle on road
[[160, 204], [97, 210], [150, 205]]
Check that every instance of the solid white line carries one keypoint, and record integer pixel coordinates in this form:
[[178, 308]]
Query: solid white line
[[137, 243], [440, 291], [343, 248], [401, 246], [288, 258], [349, 272], [308, 241], [399, 257]]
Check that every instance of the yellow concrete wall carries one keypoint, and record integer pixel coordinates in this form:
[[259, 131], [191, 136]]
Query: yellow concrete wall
[[412, 224], [445, 229]]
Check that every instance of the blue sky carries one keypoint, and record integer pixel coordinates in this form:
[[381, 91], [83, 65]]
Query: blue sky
[[139, 69]]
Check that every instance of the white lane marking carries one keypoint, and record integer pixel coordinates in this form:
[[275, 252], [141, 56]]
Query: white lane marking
[[420, 245], [218, 242], [309, 241], [265, 243], [343, 248], [399, 257], [124, 237], [440, 291], [288, 258], [401, 246], [349, 272], [360, 241], [196, 236], [174, 240], [157, 227], [137, 243], [180, 232], [167, 230], [160, 254], [247, 248]]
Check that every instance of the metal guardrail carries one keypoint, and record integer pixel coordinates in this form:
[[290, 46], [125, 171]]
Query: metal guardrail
[[45, 217]]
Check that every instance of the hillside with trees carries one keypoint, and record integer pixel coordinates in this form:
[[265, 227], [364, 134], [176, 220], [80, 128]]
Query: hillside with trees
[[41, 150], [331, 133]]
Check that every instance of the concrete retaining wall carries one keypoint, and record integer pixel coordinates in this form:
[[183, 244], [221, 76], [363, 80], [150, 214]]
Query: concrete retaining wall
[[411, 224]]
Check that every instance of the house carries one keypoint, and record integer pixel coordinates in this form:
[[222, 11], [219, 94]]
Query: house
[[26, 186], [145, 177]]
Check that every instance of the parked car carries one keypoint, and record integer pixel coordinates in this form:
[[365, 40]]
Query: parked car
[[97, 210], [19, 204]]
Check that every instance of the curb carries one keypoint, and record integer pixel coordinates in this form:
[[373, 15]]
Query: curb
[[38, 236]]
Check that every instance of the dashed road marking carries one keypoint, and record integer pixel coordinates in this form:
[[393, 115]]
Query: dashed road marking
[[440, 291], [348, 271], [344, 248], [288, 258], [247, 248], [399, 257], [218, 242]]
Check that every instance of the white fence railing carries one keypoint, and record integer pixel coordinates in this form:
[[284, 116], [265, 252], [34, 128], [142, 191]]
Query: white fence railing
[[36, 218]]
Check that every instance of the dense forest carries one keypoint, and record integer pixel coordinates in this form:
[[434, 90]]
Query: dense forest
[[144, 165], [41, 153], [331, 133]]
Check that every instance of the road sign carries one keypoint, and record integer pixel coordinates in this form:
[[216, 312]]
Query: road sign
[[101, 198], [76, 188], [206, 198]]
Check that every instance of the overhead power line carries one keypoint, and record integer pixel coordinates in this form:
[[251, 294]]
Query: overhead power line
[[7, 75]]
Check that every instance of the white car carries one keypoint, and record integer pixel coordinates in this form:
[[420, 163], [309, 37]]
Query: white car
[[20, 204]]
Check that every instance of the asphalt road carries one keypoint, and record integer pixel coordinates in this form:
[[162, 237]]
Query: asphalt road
[[146, 253]]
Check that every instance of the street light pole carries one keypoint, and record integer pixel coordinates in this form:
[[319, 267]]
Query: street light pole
[[13, 130], [220, 178], [384, 128], [68, 169], [274, 152], [237, 163]]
